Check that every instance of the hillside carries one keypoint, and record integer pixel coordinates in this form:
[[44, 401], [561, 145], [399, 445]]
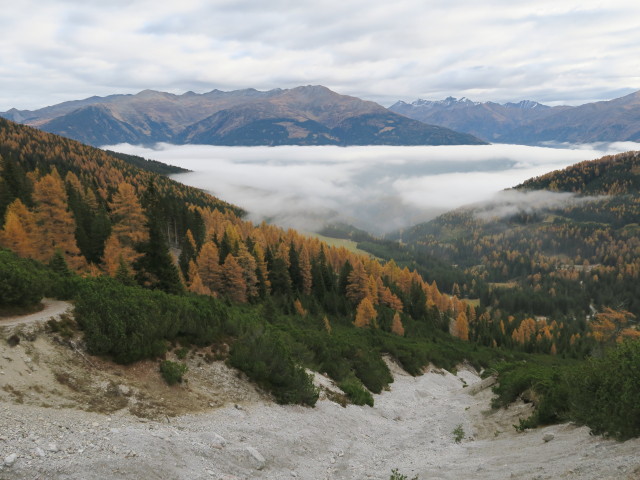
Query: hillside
[[531, 123], [560, 247], [150, 262], [310, 115], [124, 422]]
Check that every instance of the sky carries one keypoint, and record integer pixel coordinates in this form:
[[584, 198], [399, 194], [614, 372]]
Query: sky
[[555, 52], [379, 189]]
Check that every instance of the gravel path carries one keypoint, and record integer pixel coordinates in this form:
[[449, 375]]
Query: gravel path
[[52, 308]]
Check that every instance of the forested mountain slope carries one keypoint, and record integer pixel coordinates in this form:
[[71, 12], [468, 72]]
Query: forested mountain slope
[[64, 203], [559, 247]]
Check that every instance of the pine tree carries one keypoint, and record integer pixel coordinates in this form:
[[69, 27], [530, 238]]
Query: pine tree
[[156, 268]]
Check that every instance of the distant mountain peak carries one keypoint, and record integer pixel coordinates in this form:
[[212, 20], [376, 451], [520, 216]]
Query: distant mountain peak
[[304, 115], [526, 104]]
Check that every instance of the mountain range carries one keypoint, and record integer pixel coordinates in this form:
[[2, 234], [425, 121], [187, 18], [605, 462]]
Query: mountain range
[[532, 123], [307, 115]]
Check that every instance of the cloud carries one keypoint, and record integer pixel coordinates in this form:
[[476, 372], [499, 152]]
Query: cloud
[[511, 202], [377, 188], [556, 52]]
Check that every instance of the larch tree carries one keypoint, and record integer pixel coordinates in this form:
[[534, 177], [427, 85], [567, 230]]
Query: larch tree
[[305, 270], [365, 314], [233, 282], [55, 224], [194, 283], [209, 267], [461, 327], [128, 231], [129, 219], [19, 232], [396, 325], [249, 266], [357, 283]]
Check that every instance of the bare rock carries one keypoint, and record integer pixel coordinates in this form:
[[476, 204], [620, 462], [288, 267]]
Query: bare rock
[[548, 437], [9, 460], [256, 458]]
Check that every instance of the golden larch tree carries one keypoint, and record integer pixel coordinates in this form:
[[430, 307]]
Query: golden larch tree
[[305, 270], [365, 314], [357, 283], [209, 267], [461, 327], [194, 283], [396, 325], [19, 232], [55, 224], [233, 282]]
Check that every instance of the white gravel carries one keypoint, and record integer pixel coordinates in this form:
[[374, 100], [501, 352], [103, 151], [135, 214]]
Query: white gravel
[[410, 428]]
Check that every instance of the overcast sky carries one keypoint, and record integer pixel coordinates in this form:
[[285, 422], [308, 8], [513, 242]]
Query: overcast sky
[[568, 51]]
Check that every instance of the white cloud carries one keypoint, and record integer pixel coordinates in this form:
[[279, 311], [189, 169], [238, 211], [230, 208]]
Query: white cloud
[[376, 188], [571, 51]]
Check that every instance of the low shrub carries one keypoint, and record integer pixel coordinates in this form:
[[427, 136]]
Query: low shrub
[[172, 372], [356, 392]]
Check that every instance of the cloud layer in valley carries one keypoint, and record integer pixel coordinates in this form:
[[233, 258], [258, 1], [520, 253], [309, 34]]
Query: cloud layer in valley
[[554, 52], [376, 188]]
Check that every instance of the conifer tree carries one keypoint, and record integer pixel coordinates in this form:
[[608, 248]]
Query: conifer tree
[[365, 314], [357, 284], [55, 224], [305, 271], [396, 325], [234, 286], [195, 282], [19, 232], [209, 268], [461, 327], [155, 268]]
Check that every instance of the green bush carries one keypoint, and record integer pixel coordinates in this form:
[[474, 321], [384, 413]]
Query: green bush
[[458, 433], [396, 475], [22, 282], [131, 323], [172, 372], [356, 392], [605, 392], [264, 357]]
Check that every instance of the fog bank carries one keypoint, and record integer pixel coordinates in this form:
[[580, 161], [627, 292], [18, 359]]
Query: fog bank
[[377, 188]]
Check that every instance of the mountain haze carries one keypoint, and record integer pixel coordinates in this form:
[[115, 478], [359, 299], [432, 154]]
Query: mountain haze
[[310, 115], [532, 123]]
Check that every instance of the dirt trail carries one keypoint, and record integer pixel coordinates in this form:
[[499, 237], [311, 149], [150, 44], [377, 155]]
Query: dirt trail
[[52, 308]]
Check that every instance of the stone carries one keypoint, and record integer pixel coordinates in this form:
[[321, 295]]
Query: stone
[[40, 452], [256, 457], [52, 447], [9, 460], [548, 437]]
